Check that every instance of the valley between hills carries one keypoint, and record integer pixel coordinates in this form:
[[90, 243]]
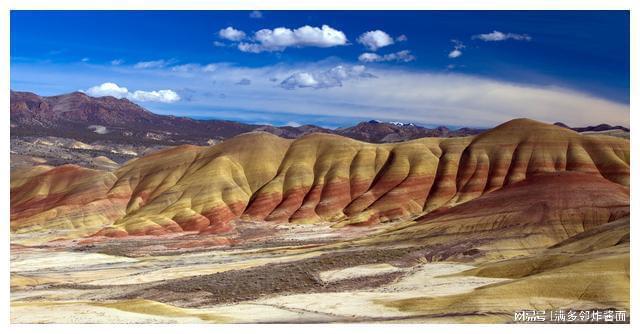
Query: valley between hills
[[258, 228]]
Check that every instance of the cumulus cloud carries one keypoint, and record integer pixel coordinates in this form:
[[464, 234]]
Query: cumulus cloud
[[374, 40], [400, 56], [108, 89], [333, 77], [278, 39], [497, 36], [455, 53], [151, 64], [232, 34], [256, 14], [112, 89], [401, 38], [163, 96], [457, 46]]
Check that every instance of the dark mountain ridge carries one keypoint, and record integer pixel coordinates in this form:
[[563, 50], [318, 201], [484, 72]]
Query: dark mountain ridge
[[82, 117], [79, 116], [594, 128]]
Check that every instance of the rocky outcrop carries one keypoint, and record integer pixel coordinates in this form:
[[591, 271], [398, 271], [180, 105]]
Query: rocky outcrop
[[518, 219], [319, 177], [65, 198]]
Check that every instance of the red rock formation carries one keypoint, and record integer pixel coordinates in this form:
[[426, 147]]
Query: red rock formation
[[319, 177]]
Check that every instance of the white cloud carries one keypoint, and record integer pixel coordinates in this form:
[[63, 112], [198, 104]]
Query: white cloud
[[108, 89], [84, 60], [194, 68], [151, 64], [403, 95], [457, 46], [256, 14], [374, 40], [401, 38], [163, 96], [497, 36], [278, 39], [455, 53], [252, 48], [300, 80], [400, 56], [397, 93], [112, 89], [330, 78], [369, 57], [117, 62], [232, 34]]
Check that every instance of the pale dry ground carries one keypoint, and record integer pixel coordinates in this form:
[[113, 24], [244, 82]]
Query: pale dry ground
[[57, 285], [62, 285], [33, 302]]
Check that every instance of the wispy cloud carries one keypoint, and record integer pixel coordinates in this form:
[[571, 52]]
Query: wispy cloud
[[396, 93], [497, 36], [152, 64], [195, 68], [278, 39], [209, 68], [256, 14], [186, 67], [400, 56], [116, 62]]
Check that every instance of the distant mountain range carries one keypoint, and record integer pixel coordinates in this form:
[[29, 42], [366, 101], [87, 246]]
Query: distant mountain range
[[89, 118], [79, 116]]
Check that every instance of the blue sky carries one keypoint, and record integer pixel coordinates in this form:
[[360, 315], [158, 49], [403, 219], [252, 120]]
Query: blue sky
[[334, 68]]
